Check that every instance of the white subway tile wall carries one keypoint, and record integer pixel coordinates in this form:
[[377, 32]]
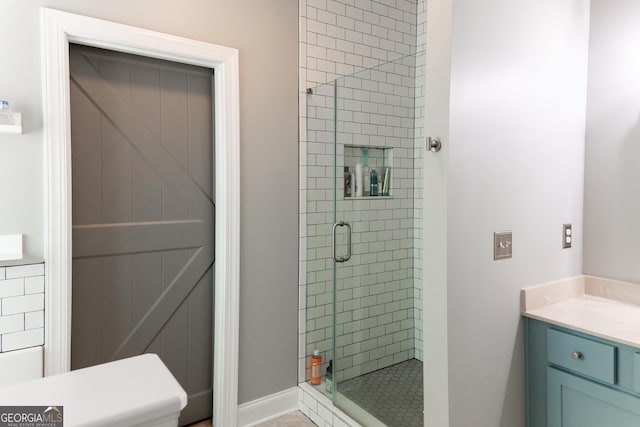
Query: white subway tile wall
[[21, 307], [378, 302]]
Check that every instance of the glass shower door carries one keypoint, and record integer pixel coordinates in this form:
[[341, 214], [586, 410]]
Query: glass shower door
[[377, 378], [363, 296]]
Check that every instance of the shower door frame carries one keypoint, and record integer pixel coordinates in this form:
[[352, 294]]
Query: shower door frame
[[58, 30]]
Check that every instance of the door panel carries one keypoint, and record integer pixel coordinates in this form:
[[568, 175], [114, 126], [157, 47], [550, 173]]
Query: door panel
[[143, 215], [576, 402]]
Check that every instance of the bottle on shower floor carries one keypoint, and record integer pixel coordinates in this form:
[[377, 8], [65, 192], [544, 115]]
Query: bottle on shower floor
[[316, 365]]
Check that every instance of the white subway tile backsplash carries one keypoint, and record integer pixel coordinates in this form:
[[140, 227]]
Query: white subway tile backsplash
[[11, 323], [34, 319], [11, 288], [34, 285], [23, 339], [22, 304], [25, 271], [2, 273]]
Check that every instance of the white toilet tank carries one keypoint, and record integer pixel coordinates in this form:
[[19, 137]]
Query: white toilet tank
[[139, 391]]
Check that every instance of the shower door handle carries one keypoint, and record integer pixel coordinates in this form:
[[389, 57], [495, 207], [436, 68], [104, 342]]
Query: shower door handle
[[347, 257]]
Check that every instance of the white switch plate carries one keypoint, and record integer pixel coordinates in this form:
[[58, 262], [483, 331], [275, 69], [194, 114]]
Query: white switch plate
[[502, 245], [10, 247]]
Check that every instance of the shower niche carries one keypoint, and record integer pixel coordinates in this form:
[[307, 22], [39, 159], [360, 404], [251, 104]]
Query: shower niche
[[367, 172]]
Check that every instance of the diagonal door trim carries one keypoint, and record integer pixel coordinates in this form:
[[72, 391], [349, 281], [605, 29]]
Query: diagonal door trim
[[150, 324], [127, 122], [58, 30]]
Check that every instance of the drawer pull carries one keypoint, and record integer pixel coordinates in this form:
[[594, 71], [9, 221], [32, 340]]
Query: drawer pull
[[576, 355]]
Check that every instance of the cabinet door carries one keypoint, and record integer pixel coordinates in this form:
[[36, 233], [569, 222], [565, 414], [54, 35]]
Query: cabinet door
[[576, 402]]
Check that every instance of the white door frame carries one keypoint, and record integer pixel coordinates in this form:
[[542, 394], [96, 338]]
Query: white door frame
[[57, 31]]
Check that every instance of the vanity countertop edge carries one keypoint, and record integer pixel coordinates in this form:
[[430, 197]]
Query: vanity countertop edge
[[606, 308]]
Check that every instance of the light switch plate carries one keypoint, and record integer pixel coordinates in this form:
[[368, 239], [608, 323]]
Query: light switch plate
[[502, 245]]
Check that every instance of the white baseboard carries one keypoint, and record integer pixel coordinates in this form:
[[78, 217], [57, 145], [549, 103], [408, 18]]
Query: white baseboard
[[268, 407]]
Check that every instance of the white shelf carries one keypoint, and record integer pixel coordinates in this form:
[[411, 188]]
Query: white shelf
[[368, 198], [11, 123], [15, 129]]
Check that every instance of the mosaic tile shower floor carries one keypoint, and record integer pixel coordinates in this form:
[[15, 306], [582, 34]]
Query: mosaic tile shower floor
[[394, 395]]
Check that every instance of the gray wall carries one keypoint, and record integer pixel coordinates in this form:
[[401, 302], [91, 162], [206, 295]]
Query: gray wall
[[612, 206], [266, 34], [516, 156]]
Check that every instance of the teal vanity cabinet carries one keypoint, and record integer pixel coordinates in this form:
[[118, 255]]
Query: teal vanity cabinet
[[578, 380]]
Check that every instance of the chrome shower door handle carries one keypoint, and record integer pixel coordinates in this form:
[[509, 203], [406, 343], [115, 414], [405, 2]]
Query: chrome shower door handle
[[347, 257]]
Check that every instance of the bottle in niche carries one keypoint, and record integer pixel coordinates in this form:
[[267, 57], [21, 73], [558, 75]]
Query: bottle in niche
[[316, 365], [329, 382], [352, 182], [373, 182], [365, 172], [347, 182], [367, 183], [359, 180]]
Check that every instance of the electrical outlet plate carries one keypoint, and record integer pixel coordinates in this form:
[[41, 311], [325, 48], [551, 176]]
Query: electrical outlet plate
[[502, 245], [567, 236]]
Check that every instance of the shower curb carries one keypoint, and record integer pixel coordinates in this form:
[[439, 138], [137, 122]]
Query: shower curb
[[321, 410]]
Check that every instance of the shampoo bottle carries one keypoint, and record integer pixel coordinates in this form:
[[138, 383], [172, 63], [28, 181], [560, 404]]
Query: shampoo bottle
[[352, 182], [316, 365], [374, 182], [347, 182], [365, 172], [358, 180]]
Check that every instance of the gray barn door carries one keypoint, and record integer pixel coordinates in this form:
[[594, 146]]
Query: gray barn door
[[142, 162]]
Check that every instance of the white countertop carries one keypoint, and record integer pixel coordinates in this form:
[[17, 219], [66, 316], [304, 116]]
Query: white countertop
[[605, 308]]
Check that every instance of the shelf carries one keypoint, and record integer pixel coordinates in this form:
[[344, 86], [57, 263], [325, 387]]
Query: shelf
[[10, 122], [367, 198], [15, 129]]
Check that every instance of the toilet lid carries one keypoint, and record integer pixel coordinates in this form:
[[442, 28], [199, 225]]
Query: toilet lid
[[139, 387]]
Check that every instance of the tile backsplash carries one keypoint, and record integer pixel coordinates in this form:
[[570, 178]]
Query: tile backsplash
[[21, 307]]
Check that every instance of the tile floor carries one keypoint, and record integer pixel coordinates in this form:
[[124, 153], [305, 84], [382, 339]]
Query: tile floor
[[394, 395], [294, 419]]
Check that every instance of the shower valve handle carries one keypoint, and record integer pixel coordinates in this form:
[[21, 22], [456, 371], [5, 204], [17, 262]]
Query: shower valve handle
[[434, 144]]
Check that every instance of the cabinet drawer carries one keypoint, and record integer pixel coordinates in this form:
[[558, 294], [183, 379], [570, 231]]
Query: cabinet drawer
[[582, 355]]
